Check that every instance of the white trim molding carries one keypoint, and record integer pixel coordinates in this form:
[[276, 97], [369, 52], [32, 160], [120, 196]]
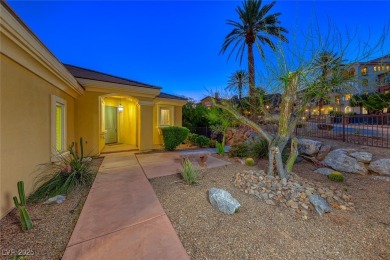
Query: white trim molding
[[55, 100], [171, 109]]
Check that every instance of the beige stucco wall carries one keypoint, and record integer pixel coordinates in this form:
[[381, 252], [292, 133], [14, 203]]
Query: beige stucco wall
[[146, 124], [178, 115], [25, 127], [87, 121]]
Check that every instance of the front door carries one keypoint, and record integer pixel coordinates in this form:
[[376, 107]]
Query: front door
[[111, 122]]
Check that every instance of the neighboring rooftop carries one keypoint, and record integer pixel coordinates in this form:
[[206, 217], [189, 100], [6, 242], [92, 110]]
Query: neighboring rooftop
[[83, 73]]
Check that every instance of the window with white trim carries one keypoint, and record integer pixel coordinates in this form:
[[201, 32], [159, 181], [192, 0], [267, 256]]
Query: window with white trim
[[58, 124], [165, 115]]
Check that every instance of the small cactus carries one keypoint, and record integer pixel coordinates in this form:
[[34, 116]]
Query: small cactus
[[25, 219], [249, 162], [336, 176]]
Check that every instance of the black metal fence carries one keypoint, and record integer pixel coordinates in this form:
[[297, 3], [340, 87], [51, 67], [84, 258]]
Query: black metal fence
[[206, 131], [370, 130]]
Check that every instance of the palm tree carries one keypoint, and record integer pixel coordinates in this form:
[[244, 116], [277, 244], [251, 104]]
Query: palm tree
[[258, 27], [327, 63], [237, 81]]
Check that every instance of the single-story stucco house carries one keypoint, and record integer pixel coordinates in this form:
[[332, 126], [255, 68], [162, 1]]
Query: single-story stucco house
[[46, 105]]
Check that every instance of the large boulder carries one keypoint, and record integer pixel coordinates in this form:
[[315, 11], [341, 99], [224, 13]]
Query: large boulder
[[341, 161], [381, 166], [323, 152], [309, 147], [252, 137], [364, 157], [242, 134], [320, 204], [223, 201]]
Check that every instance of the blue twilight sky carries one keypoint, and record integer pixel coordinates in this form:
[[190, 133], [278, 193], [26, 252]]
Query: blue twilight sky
[[176, 44]]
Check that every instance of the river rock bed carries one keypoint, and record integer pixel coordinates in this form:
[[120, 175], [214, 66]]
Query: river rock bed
[[293, 193]]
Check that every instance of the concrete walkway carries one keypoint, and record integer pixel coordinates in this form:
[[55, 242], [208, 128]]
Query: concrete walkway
[[168, 163], [122, 217]]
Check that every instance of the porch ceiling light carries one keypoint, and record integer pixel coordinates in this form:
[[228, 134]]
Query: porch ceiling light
[[120, 107]]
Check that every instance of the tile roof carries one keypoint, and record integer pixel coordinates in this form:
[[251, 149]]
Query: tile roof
[[165, 95], [83, 73]]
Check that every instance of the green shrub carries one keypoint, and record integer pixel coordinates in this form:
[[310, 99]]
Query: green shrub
[[220, 148], [202, 140], [173, 136], [259, 149], [191, 138], [72, 172], [212, 143], [189, 173], [249, 162], [336, 176], [239, 150]]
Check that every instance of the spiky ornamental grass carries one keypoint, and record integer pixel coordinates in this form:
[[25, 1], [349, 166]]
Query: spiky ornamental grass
[[70, 173], [189, 173]]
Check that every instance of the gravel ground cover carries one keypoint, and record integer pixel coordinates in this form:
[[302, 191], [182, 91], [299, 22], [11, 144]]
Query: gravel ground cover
[[261, 231], [53, 226]]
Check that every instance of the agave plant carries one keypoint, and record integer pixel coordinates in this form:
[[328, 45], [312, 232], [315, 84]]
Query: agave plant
[[71, 173]]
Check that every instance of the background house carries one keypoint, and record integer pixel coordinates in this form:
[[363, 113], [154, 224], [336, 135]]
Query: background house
[[366, 77], [46, 105]]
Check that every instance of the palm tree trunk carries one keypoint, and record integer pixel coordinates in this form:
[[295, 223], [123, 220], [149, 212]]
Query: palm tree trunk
[[251, 70]]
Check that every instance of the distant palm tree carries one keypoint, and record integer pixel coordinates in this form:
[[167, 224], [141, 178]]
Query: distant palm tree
[[256, 26], [237, 81], [327, 62]]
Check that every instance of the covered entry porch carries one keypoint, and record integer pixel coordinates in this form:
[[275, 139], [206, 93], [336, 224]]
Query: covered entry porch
[[119, 123]]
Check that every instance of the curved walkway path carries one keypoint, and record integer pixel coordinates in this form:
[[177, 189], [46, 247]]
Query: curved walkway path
[[122, 217]]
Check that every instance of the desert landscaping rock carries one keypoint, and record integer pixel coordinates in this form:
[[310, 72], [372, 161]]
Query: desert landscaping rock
[[320, 204], [340, 161], [324, 171], [380, 178], [309, 147], [293, 193], [223, 201], [381, 166], [298, 159], [241, 135], [323, 152], [262, 231], [364, 157], [56, 199]]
